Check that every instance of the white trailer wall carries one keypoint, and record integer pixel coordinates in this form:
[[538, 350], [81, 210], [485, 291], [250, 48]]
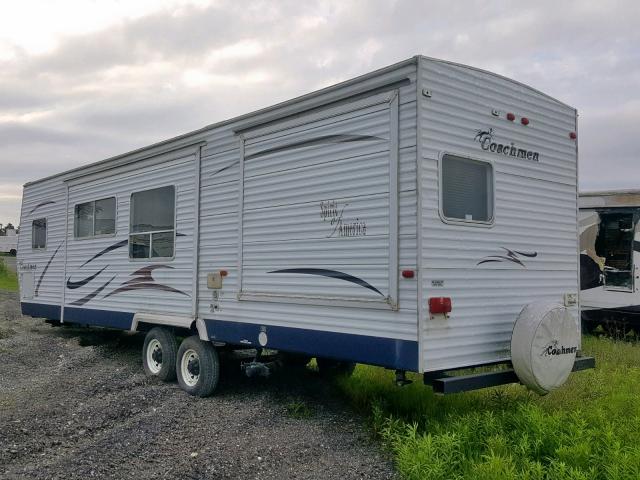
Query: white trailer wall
[[535, 212], [41, 271], [282, 223], [108, 255]]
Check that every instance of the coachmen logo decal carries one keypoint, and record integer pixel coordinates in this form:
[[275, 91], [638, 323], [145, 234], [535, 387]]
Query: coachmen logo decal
[[553, 349], [486, 140]]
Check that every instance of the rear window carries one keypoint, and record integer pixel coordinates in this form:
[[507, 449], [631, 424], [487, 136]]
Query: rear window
[[467, 189]]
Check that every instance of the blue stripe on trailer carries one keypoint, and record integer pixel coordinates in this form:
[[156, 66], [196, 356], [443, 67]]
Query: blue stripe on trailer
[[100, 318], [385, 352], [40, 310], [81, 316]]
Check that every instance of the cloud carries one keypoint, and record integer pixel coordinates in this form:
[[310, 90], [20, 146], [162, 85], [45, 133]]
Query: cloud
[[94, 82]]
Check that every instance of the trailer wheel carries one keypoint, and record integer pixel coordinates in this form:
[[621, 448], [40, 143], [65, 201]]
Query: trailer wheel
[[159, 354], [13, 252], [330, 367], [198, 367]]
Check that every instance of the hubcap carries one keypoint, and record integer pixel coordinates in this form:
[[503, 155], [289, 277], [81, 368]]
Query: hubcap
[[190, 367], [154, 356]]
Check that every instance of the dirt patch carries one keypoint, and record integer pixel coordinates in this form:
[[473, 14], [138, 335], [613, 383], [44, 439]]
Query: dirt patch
[[75, 403]]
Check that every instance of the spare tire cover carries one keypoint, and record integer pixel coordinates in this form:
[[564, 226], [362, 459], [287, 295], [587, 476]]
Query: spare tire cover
[[544, 343]]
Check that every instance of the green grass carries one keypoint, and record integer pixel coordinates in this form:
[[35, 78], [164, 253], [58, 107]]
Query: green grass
[[588, 429], [8, 279]]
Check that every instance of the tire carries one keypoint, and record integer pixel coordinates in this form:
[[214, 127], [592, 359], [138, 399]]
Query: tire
[[197, 367], [13, 252], [330, 367], [159, 354]]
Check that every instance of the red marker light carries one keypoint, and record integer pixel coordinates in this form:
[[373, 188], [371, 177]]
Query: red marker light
[[573, 135], [407, 274], [439, 305], [223, 273], [524, 121], [511, 117]]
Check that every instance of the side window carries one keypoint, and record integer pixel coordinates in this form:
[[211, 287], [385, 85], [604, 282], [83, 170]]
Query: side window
[[152, 223], [39, 233], [95, 218], [467, 190]]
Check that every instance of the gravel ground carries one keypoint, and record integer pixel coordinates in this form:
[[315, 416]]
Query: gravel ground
[[75, 403]]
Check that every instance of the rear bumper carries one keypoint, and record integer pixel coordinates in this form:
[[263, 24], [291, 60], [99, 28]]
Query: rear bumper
[[444, 383]]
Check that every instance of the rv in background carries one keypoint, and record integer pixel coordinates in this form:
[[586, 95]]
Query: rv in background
[[407, 218], [9, 242], [609, 249]]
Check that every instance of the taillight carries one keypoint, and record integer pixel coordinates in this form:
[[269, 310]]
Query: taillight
[[408, 273], [439, 305]]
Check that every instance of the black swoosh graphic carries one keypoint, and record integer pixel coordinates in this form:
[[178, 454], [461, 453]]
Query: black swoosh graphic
[[146, 286], [524, 254], [511, 256], [232, 164], [47, 268], [83, 300], [316, 141], [332, 274], [73, 285], [110, 248], [48, 202], [143, 280], [499, 258]]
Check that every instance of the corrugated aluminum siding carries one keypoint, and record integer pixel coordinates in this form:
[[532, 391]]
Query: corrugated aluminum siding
[[266, 224], [116, 267], [288, 175], [535, 211], [42, 200]]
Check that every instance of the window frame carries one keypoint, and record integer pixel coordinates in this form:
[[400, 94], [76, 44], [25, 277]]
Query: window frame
[[46, 234], [461, 221], [102, 235], [151, 232]]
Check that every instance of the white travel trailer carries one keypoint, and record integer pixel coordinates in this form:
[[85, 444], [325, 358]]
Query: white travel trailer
[[609, 249], [404, 218]]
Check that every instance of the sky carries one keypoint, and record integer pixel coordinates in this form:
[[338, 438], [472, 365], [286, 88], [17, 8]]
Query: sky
[[85, 80]]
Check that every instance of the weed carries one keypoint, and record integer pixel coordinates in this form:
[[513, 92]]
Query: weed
[[588, 429], [298, 409], [8, 279]]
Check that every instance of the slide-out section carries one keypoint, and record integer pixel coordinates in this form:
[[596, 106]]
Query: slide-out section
[[319, 206]]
